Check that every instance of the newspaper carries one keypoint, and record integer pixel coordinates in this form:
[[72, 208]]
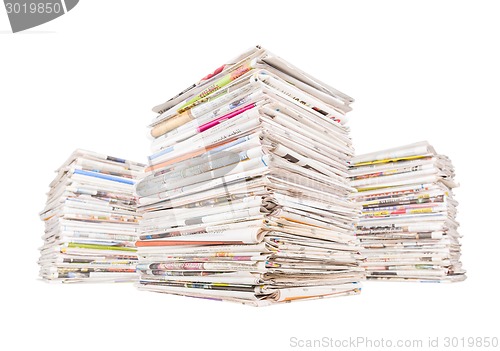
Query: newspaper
[[408, 227], [250, 59], [246, 197], [91, 222]]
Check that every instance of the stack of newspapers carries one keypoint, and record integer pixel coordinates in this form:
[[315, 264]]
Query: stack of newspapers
[[408, 227], [247, 195], [91, 223]]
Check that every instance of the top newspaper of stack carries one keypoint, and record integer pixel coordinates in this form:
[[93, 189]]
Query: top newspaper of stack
[[254, 68], [253, 158]]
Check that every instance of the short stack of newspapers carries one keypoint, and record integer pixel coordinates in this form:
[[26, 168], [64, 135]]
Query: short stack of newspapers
[[247, 195], [408, 227], [91, 223]]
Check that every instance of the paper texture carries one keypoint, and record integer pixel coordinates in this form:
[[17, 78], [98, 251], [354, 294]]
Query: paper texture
[[246, 197], [408, 226], [91, 222]]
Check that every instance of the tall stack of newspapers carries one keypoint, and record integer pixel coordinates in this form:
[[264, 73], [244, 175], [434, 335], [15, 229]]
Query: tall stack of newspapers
[[247, 196], [408, 227], [91, 223]]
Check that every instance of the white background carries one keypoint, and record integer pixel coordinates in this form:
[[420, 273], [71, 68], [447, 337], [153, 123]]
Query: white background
[[423, 70]]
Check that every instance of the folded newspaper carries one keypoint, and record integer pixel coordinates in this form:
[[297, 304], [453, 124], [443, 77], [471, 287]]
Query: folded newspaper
[[247, 197], [91, 223], [408, 227]]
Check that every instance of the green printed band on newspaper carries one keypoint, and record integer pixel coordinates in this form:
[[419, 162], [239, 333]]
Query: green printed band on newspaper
[[228, 78], [102, 247]]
